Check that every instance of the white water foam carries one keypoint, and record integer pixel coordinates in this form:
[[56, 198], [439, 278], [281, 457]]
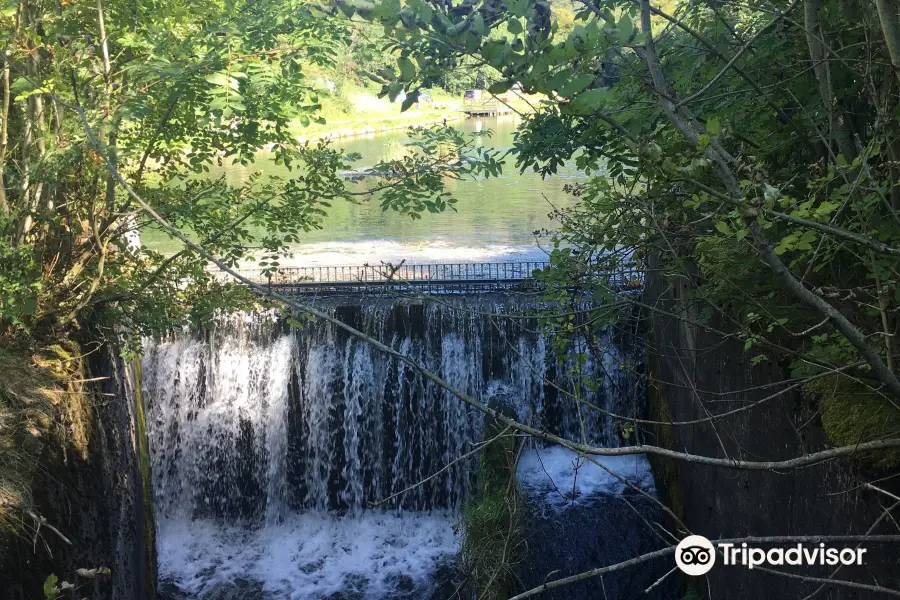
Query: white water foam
[[309, 555], [437, 250], [260, 437], [561, 477]]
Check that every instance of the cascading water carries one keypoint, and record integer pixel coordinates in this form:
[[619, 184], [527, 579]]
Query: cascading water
[[285, 457]]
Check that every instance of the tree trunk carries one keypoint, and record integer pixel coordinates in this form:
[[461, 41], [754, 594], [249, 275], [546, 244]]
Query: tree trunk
[[890, 26], [4, 136], [817, 52]]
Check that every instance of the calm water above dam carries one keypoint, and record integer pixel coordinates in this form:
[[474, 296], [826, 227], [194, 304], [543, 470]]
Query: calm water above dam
[[495, 219]]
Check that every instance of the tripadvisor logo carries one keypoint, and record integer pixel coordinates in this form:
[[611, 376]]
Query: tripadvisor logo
[[695, 555]]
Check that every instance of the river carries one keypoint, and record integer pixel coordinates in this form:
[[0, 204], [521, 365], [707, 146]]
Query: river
[[496, 219]]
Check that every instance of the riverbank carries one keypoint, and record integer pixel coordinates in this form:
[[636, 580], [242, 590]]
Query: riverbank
[[354, 128], [362, 114]]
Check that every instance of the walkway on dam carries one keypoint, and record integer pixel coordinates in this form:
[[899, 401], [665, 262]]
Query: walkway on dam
[[431, 278]]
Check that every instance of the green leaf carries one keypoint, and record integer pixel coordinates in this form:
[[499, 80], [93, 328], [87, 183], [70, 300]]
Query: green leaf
[[220, 78], [514, 26], [407, 69], [493, 50], [723, 228], [472, 41], [29, 305], [519, 8], [499, 87], [557, 80], [574, 86], [478, 24], [626, 28], [713, 128], [424, 11], [588, 102], [411, 98], [51, 590], [702, 142]]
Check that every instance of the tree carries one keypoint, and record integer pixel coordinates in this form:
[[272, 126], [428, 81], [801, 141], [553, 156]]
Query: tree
[[703, 152], [750, 150], [156, 94]]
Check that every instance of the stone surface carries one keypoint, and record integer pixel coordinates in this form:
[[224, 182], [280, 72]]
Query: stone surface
[[239, 589], [723, 503]]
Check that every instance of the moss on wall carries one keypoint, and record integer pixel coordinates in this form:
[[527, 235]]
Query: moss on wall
[[493, 522], [665, 471], [75, 490], [42, 404], [148, 543], [852, 415]]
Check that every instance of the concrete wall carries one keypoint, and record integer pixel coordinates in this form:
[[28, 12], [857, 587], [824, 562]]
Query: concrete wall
[[721, 503]]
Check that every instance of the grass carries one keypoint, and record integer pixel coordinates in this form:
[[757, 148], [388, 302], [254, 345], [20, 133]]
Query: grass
[[27, 396], [356, 107]]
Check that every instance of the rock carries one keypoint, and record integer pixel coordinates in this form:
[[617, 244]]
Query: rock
[[504, 400], [402, 584], [447, 582], [355, 586]]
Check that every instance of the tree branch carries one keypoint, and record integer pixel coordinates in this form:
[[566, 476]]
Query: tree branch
[[740, 53], [750, 214], [785, 539]]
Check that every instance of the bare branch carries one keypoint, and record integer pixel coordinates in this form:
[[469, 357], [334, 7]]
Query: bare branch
[[740, 53]]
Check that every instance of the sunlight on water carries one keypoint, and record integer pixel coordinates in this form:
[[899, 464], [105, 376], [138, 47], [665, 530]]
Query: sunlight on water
[[495, 219], [413, 252]]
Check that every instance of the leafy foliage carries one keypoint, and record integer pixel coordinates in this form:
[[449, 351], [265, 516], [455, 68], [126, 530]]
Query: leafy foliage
[[161, 93], [718, 155]]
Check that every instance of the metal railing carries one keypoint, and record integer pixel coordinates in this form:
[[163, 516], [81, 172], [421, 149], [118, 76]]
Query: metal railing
[[488, 105], [459, 278]]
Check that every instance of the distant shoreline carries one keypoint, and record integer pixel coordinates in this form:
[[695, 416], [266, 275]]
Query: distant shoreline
[[367, 130]]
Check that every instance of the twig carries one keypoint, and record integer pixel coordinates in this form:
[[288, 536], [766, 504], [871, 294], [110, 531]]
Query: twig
[[479, 448], [42, 522]]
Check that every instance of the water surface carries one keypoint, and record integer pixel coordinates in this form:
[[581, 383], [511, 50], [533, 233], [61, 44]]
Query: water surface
[[495, 219]]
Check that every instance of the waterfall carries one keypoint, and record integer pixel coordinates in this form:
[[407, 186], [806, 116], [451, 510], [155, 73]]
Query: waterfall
[[279, 446]]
